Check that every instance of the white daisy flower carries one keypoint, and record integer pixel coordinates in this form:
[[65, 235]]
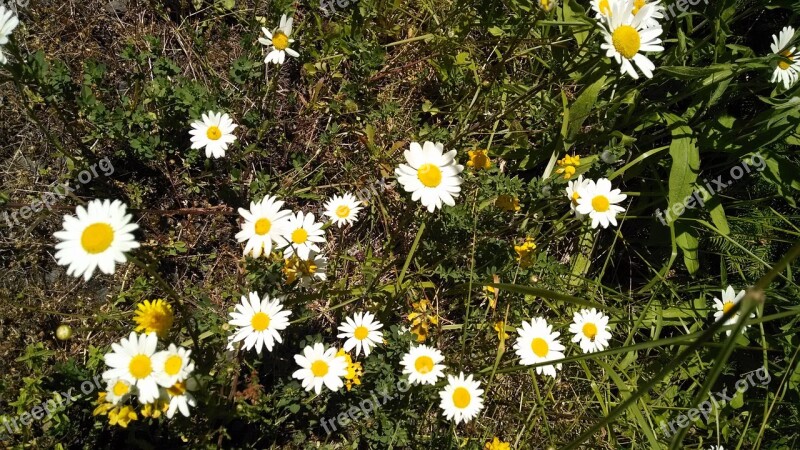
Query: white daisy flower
[[301, 235], [263, 224], [591, 330], [602, 9], [421, 364], [655, 16], [786, 72], [461, 399], [599, 201], [343, 210], [97, 238], [132, 361], [214, 132], [319, 366], [180, 399], [173, 365], [361, 331], [8, 21], [118, 390], [431, 175], [627, 34], [574, 190], [538, 343], [279, 41], [729, 299], [306, 272], [258, 322]]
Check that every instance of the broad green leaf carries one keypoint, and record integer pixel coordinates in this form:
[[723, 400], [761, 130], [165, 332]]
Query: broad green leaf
[[576, 114]]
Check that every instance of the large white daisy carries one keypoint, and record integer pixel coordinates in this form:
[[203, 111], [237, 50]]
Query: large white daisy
[[97, 238], [729, 299], [263, 224], [786, 72], [361, 331], [343, 210], [599, 201], [422, 365], [131, 360], [258, 322], [279, 41], [431, 175], [591, 330], [301, 235], [8, 21], [214, 132], [538, 343], [319, 366], [173, 365], [461, 399], [627, 35]]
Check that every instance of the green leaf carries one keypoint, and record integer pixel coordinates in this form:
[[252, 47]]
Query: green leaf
[[576, 114]]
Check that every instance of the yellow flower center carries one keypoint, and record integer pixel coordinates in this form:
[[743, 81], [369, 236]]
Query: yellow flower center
[[461, 398], [319, 368], [280, 41], [263, 226], [605, 8], [727, 307], [213, 132], [429, 175], [140, 366], [600, 203], [343, 211], [626, 40], [120, 388], [423, 364], [173, 365], [590, 330], [539, 347], [177, 389], [97, 237], [783, 64], [361, 333], [260, 321], [575, 197], [299, 236]]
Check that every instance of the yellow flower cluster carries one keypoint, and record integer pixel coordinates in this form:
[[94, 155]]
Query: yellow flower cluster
[[479, 159], [117, 415], [295, 268], [507, 202], [525, 252], [354, 370], [421, 319], [567, 165], [497, 444]]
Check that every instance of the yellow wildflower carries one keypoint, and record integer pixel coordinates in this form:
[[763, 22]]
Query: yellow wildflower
[[497, 444], [567, 165], [155, 316], [122, 416], [103, 407], [507, 202], [421, 319], [525, 252], [354, 370], [479, 159], [155, 409], [500, 328]]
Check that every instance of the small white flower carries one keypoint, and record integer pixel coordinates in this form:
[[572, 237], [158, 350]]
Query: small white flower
[[431, 175], [729, 299], [258, 322], [361, 331], [8, 21], [538, 343], [319, 366], [628, 34], [421, 364], [118, 390], [599, 201], [301, 235], [279, 41], [97, 238], [131, 360], [461, 399], [180, 399], [591, 330], [786, 73], [214, 132], [263, 224], [343, 210], [575, 189], [173, 365], [306, 272]]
